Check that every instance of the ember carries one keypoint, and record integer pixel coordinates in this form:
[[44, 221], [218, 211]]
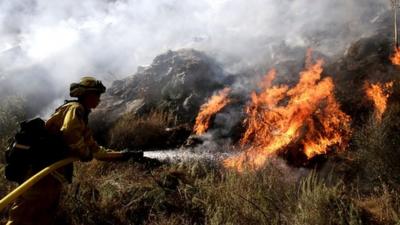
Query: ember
[[395, 58], [379, 94], [215, 104], [279, 117]]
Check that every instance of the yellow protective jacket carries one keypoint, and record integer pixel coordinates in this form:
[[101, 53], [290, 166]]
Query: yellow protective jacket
[[71, 122]]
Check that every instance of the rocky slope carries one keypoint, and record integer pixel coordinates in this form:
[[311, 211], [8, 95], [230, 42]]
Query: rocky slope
[[177, 82]]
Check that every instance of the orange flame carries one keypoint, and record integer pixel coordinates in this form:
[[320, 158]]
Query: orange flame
[[214, 105], [280, 117], [379, 94], [395, 58]]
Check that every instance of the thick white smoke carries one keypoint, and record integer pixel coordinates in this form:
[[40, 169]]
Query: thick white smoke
[[59, 41]]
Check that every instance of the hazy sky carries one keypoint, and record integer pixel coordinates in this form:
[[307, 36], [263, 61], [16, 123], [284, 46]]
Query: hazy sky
[[63, 40]]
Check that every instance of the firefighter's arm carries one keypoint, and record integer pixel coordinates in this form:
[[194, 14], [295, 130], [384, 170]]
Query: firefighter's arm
[[80, 139], [73, 130], [101, 153], [108, 155], [104, 154]]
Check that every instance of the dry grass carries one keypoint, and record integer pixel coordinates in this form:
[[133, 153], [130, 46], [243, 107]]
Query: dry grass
[[200, 193], [143, 132], [377, 150], [319, 203], [383, 207], [204, 193]]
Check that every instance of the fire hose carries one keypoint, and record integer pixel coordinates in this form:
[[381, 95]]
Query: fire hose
[[33, 180], [138, 155]]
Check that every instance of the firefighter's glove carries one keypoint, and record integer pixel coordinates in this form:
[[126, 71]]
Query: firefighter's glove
[[132, 154]]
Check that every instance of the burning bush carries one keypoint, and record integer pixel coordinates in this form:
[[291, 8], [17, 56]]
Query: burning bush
[[395, 58], [304, 120], [209, 109], [379, 94]]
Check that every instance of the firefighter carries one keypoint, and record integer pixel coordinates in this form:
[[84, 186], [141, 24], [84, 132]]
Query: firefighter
[[38, 205]]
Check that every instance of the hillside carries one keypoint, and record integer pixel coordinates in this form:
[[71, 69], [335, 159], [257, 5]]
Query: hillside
[[309, 141]]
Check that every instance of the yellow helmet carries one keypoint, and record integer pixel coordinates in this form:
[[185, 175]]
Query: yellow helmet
[[86, 84]]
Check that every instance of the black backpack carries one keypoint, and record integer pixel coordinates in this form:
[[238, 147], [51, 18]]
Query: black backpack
[[32, 149]]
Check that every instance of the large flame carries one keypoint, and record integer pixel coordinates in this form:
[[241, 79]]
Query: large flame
[[395, 58], [379, 93], [280, 118], [214, 105]]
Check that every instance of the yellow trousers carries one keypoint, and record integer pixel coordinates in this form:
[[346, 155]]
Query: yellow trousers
[[38, 205]]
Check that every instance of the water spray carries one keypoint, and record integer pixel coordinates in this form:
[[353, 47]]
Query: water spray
[[185, 155]]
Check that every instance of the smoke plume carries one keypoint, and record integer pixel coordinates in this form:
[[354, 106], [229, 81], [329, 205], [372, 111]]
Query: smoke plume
[[45, 44]]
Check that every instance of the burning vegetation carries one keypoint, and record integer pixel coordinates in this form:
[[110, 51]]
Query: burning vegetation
[[379, 93], [215, 104], [302, 120], [395, 58]]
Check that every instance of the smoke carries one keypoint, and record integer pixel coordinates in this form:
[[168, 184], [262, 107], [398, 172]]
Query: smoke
[[56, 42]]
